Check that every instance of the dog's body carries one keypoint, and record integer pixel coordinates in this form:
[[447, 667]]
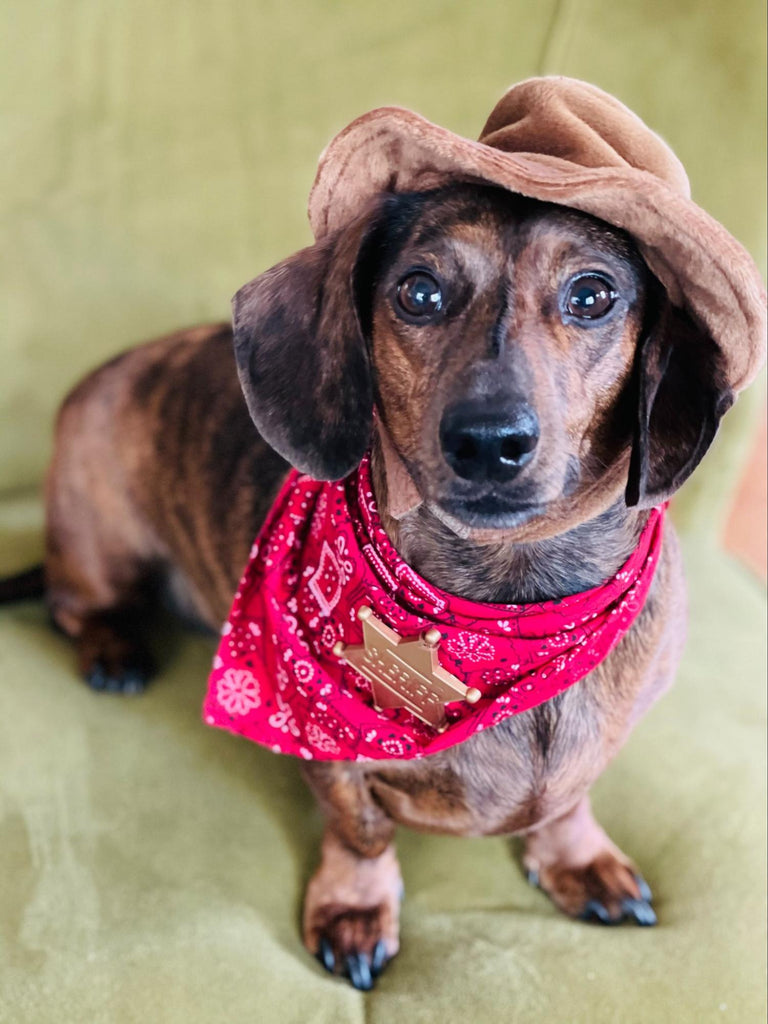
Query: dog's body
[[159, 475]]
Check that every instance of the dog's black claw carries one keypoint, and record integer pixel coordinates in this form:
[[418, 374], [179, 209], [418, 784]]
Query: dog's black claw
[[595, 911], [134, 681], [359, 971], [641, 911], [645, 890], [378, 958], [128, 680], [325, 955], [96, 677]]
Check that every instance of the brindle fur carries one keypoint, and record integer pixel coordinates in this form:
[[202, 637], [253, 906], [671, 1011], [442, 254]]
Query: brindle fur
[[159, 476]]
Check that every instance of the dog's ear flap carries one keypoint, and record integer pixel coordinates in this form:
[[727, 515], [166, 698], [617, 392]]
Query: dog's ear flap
[[301, 356], [682, 393]]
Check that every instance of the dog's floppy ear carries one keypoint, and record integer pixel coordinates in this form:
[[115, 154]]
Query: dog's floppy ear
[[301, 356], [682, 393]]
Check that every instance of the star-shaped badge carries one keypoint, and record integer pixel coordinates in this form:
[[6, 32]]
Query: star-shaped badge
[[404, 672]]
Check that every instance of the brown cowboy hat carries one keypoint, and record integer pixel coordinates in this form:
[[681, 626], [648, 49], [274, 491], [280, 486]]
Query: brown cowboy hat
[[563, 141]]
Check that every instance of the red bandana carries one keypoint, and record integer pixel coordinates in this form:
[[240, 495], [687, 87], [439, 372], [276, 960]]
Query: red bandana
[[320, 556]]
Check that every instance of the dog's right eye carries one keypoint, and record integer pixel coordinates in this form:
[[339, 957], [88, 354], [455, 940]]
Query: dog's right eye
[[418, 295], [590, 297]]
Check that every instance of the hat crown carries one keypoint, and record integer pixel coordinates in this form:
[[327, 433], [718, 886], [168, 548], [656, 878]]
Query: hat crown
[[572, 120]]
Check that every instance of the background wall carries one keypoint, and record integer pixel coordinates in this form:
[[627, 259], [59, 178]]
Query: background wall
[[156, 155]]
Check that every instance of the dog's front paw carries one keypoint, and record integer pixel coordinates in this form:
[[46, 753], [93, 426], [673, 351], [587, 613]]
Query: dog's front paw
[[356, 943], [352, 913], [607, 890]]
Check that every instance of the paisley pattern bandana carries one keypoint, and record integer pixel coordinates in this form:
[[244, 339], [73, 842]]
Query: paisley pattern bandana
[[280, 677]]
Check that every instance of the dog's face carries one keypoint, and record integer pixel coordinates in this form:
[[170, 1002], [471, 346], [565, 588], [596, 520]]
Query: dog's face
[[503, 334], [520, 355]]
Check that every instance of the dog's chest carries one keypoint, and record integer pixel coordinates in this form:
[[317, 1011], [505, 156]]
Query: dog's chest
[[529, 768]]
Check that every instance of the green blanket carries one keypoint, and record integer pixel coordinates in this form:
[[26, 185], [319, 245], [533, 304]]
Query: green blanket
[[156, 155]]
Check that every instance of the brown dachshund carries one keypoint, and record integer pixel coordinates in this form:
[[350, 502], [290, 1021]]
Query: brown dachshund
[[516, 355]]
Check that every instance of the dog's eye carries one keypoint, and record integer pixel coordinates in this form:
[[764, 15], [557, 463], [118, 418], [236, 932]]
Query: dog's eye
[[589, 297], [419, 294]]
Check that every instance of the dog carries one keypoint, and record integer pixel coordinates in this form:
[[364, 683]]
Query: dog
[[159, 477], [536, 389]]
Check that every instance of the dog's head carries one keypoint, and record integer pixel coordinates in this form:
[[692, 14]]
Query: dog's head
[[523, 360]]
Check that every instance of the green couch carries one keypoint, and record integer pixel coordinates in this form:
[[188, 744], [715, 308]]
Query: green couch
[[156, 155]]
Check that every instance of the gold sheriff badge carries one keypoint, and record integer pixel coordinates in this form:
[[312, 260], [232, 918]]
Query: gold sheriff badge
[[405, 673]]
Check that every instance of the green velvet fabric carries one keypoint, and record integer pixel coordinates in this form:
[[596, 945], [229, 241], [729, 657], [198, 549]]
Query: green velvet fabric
[[156, 155]]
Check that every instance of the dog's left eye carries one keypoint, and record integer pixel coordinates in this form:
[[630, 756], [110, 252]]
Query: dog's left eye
[[419, 295], [589, 297]]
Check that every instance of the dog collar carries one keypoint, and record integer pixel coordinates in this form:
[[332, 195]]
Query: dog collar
[[335, 649]]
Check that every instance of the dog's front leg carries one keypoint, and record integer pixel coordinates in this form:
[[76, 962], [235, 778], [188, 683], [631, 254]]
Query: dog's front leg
[[352, 906], [584, 873]]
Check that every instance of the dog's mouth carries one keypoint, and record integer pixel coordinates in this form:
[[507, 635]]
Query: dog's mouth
[[491, 511]]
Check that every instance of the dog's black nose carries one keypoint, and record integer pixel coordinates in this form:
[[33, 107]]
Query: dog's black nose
[[483, 445]]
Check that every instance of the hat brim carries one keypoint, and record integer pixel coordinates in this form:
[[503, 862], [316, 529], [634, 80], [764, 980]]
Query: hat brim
[[700, 264]]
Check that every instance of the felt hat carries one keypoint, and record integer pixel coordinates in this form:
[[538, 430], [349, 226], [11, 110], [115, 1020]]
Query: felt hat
[[567, 142]]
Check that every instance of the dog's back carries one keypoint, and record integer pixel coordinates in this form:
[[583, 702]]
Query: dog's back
[[155, 461]]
